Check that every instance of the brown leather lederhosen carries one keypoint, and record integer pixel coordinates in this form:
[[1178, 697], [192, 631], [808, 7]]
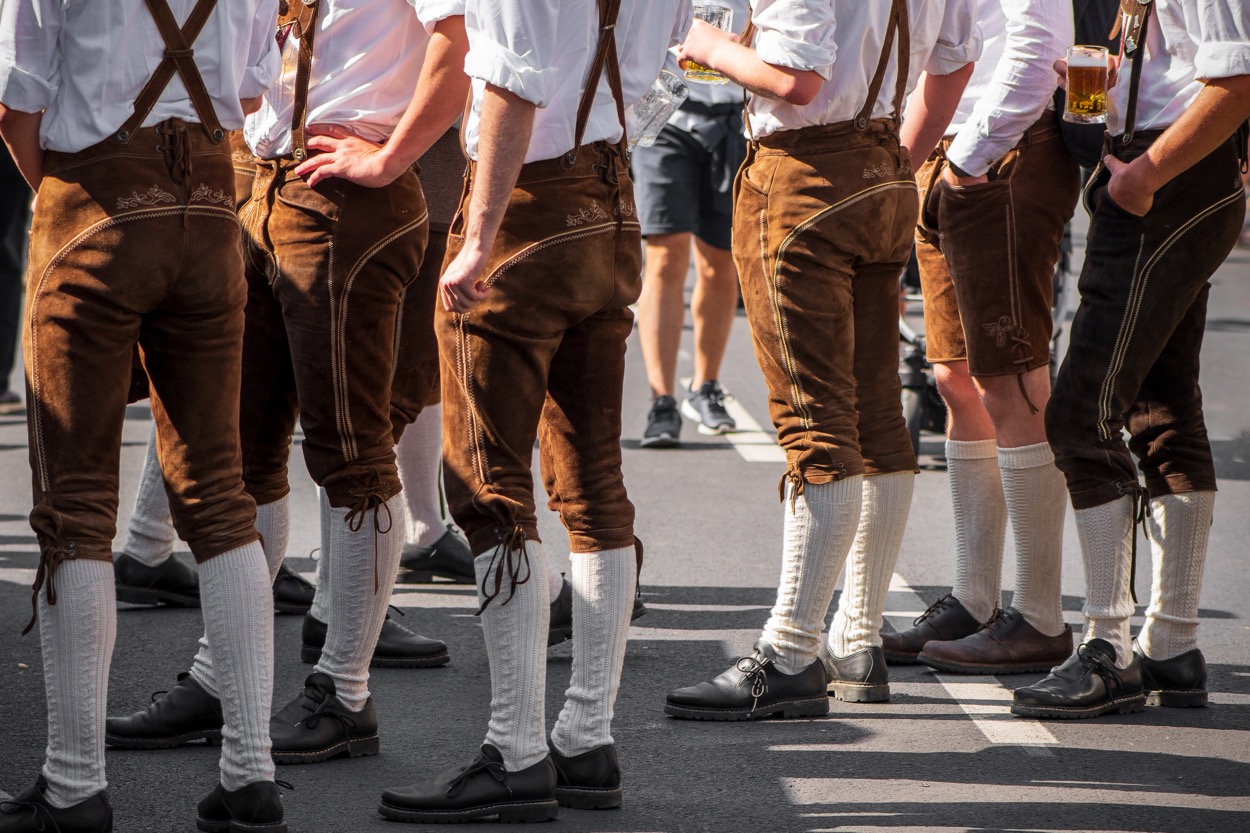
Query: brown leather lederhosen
[[822, 225], [543, 356], [328, 269], [135, 241]]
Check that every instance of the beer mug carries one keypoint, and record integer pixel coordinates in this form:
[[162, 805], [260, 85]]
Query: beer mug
[[655, 108], [721, 18], [1087, 85]]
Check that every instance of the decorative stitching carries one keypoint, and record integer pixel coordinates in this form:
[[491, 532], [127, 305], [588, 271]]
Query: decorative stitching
[[586, 215], [152, 196], [206, 194]]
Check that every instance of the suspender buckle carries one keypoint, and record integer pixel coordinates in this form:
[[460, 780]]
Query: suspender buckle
[[123, 136], [861, 123], [299, 154], [569, 160]]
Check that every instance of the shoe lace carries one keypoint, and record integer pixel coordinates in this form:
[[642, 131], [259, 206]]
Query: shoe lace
[[41, 816], [315, 713], [483, 764], [1100, 665], [753, 670], [999, 615], [933, 610]]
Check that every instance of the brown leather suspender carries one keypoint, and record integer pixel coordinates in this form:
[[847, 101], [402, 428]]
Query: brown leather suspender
[[179, 57], [1134, 47], [302, 16], [605, 55], [900, 25]]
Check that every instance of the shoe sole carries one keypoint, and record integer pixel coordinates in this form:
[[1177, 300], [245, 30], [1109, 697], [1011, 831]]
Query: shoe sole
[[237, 826], [785, 709], [988, 668], [1123, 705], [507, 812], [901, 659], [309, 656], [210, 738], [690, 413], [662, 441], [148, 596], [410, 576], [860, 692], [1195, 698], [354, 748], [588, 798]]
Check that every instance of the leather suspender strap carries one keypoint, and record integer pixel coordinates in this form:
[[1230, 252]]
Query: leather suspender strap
[[302, 14], [605, 54], [898, 25], [179, 57], [1135, 39]]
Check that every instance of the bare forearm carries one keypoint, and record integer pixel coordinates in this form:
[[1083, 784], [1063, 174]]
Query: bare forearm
[[438, 100], [742, 65], [1221, 106], [21, 133], [930, 110], [504, 134]]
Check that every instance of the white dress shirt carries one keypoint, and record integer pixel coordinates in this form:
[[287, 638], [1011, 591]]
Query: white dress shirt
[[841, 41], [83, 63], [1187, 42], [541, 50], [1022, 84], [714, 94], [367, 58]]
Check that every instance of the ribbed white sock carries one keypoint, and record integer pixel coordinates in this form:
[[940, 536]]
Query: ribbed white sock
[[604, 584], [819, 527], [980, 524], [419, 455], [882, 521], [237, 600], [150, 536], [273, 523], [1037, 497], [365, 563], [1179, 528], [77, 636], [555, 579], [1106, 542], [321, 595], [515, 628]]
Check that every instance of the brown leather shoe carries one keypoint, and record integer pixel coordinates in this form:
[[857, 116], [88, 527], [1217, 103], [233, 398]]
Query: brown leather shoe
[[1006, 645], [946, 619]]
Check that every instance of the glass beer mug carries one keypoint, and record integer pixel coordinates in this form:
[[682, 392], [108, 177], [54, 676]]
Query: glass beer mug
[[721, 18], [1087, 85]]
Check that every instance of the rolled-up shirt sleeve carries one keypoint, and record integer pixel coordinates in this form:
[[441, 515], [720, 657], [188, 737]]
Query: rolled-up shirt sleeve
[[513, 46], [796, 34], [30, 57], [430, 12], [1223, 36], [959, 39], [681, 24], [264, 59]]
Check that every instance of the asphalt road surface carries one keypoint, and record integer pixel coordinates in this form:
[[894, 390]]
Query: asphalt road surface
[[942, 755]]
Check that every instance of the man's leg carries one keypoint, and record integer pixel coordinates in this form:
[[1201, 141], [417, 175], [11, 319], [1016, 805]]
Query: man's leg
[[661, 315], [713, 306]]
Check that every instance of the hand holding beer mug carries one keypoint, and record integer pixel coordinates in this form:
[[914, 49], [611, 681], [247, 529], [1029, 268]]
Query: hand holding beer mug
[[1087, 85], [721, 18]]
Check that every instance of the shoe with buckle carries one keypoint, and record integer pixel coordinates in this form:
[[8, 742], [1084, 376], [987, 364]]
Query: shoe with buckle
[[255, 808], [449, 557], [292, 593], [1087, 684], [945, 620], [588, 781], [1179, 682], [183, 714], [317, 726], [706, 406], [1007, 644], [860, 677], [752, 689], [397, 647], [481, 790], [663, 424], [172, 582], [31, 812], [560, 627]]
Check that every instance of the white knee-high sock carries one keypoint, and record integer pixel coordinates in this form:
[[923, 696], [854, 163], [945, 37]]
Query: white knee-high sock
[[1106, 540], [515, 628], [77, 636], [419, 455], [321, 595], [273, 523], [150, 535], [882, 522], [365, 563], [1037, 497], [820, 525], [1179, 528], [604, 584], [980, 524], [237, 600]]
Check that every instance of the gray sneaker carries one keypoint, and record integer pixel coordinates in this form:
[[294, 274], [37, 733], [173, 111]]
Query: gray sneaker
[[663, 424], [706, 406]]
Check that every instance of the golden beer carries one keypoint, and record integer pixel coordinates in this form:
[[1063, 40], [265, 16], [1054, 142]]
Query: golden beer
[[721, 18], [1087, 85]]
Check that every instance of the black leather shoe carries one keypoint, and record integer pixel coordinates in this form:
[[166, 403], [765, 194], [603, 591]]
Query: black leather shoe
[[1087, 684], [753, 688], [449, 557], [183, 714], [946, 619], [859, 678], [561, 627], [30, 812], [483, 789], [589, 781], [256, 808], [397, 646], [317, 726], [292, 593], [1179, 682], [172, 582]]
